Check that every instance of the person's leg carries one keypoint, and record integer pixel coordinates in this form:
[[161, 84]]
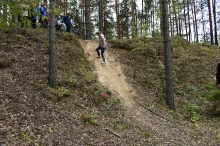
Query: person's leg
[[102, 53], [34, 25], [68, 28], [97, 50]]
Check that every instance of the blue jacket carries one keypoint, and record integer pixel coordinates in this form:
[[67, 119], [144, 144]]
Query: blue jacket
[[42, 11], [35, 13]]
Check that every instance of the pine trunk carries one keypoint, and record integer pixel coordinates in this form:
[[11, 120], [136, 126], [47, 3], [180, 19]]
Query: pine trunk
[[167, 57], [100, 16], [210, 23], [215, 24], [117, 18], [87, 20], [52, 53]]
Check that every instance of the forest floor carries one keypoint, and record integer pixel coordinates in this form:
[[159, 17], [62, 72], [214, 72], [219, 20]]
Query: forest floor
[[94, 104], [165, 129]]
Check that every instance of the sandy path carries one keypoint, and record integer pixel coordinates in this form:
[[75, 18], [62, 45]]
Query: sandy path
[[111, 76]]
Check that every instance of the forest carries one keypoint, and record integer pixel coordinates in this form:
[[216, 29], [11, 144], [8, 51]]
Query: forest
[[194, 20], [156, 88]]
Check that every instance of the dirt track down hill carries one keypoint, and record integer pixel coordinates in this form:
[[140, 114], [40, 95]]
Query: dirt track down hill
[[111, 76]]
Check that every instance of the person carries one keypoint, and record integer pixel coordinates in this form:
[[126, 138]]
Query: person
[[217, 77], [61, 18], [34, 16], [67, 21], [43, 16], [59, 24], [76, 29], [102, 46]]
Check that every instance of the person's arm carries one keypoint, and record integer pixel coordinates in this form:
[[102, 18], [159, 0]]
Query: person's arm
[[58, 22]]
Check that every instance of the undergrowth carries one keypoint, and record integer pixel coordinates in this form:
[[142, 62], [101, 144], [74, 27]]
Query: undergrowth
[[193, 67]]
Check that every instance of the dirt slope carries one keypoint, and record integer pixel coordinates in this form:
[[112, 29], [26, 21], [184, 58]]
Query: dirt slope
[[166, 132]]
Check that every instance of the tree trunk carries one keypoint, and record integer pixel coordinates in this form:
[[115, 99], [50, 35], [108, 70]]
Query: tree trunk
[[100, 16], [167, 57], [175, 17], [133, 19], [189, 23], [83, 18], [215, 24], [170, 20], [87, 20], [161, 20], [195, 25], [117, 18], [210, 23], [203, 23], [142, 16], [180, 19], [52, 54], [185, 20]]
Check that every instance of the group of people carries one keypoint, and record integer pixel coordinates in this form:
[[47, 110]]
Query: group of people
[[64, 23]]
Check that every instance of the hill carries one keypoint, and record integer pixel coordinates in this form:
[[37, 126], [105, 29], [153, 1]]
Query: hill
[[120, 103]]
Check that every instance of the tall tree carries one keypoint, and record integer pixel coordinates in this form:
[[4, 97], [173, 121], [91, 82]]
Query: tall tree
[[210, 22], [167, 56], [100, 16], [52, 55], [117, 18], [87, 20], [133, 19], [189, 22], [125, 19], [185, 18], [215, 24]]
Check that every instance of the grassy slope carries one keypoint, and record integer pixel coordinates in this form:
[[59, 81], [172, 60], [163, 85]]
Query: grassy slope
[[76, 113], [193, 67]]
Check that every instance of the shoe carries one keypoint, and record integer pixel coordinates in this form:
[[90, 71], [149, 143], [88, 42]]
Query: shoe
[[103, 62], [98, 56]]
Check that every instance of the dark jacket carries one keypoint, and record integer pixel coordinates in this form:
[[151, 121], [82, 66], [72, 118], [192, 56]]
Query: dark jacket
[[67, 21]]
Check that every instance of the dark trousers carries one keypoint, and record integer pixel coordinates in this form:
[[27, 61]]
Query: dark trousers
[[67, 28], [102, 52], [33, 21]]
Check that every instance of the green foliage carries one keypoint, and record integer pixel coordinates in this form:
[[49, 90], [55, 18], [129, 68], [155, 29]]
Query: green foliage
[[50, 130], [117, 101], [11, 10], [89, 119], [190, 112], [106, 103], [63, 92], [108, 92], [72, 82], [22, 136], [210, 91]]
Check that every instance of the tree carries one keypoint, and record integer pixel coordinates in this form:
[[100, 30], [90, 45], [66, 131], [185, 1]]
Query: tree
[[100, 16], [133, 19], [52, 54], [125, 20], [167, 57], [210, 22], [117, 18], [215, 24], [87, 20]]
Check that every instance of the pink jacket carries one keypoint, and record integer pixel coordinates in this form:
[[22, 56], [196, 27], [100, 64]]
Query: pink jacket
[[102, 41]]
